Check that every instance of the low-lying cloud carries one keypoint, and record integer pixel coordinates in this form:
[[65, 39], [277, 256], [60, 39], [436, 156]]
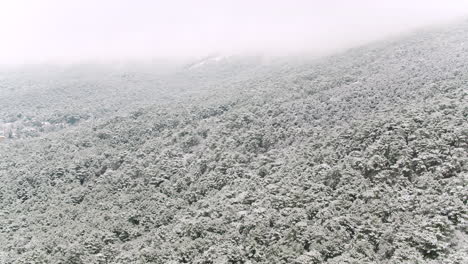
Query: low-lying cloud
[[77, 30]]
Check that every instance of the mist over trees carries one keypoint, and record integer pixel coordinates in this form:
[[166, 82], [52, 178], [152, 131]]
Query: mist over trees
[[359, 157]]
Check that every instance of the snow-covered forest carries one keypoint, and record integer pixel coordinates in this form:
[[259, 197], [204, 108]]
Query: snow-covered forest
[[358, 157]]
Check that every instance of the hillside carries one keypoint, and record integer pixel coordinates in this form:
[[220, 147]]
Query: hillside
[[359, 157]]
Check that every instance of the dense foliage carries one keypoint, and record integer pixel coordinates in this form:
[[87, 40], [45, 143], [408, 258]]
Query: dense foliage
[[359, 157]]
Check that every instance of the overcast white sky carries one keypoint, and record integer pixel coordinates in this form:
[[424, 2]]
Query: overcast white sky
[[33, 31]]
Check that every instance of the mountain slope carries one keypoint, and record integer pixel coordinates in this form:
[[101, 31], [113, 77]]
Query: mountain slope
[[360, 157]]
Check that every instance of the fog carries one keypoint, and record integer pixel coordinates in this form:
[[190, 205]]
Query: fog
[[83, 30]]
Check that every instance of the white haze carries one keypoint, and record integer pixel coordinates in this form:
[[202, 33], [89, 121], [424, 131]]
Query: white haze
[[37, 31]]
